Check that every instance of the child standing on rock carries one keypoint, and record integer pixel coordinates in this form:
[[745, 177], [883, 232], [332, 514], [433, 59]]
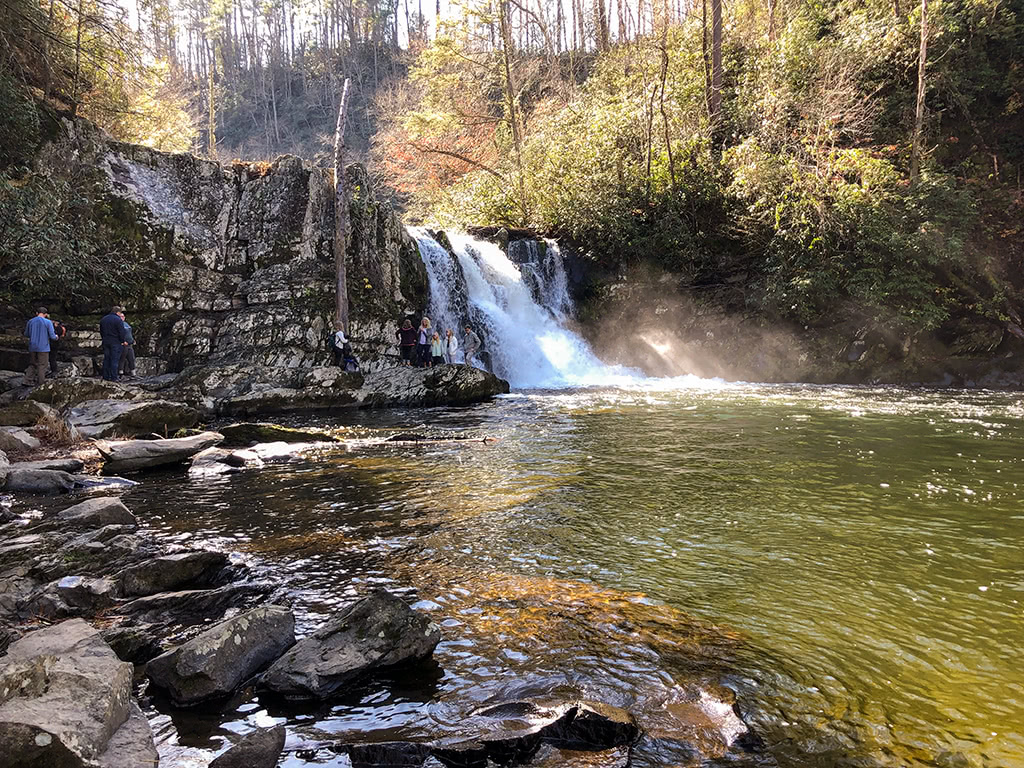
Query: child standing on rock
[[451, 347], [436, 350]]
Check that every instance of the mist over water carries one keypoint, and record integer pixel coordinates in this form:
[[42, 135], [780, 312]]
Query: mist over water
[[521, 308]]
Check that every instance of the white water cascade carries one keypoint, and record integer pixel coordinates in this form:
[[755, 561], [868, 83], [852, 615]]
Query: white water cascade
[[520, 310]]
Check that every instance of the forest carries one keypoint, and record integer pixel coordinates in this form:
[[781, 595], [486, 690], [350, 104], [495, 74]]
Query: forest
[[796, 159]]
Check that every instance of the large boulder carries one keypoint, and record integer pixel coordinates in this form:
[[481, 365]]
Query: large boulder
[[17, 440], [128, 418], [259, 749], [177, 571], [219, 660], [96, 513], [443, 385], [45, 482], [62, 393], [133, 455], [375, 632], [66, 701]]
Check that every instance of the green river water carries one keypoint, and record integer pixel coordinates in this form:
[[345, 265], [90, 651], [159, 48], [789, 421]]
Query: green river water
[[847, 560]]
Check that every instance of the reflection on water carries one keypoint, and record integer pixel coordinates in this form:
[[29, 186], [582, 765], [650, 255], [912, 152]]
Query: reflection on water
[[847, 560]]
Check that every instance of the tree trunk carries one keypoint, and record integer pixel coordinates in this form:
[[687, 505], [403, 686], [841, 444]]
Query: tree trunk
[[704, 56], [510, 100], [915, 148], [78, 59], [212, 117], [340, 215], [771, 20]]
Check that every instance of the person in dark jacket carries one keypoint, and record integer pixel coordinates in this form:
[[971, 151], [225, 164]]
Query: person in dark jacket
[[61, 330], [407, 341], [39, 331], [114, 339], [127, 365]]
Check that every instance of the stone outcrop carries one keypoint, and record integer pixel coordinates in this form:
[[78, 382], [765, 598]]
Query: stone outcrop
[[222, 658], [243, 255], [376, 631], [134, 455], [45, 482], [15, 439], [67, 701]]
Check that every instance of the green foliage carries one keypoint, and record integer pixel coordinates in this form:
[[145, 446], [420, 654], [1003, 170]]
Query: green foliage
[[62, 241], [19, 122], [801, 195]]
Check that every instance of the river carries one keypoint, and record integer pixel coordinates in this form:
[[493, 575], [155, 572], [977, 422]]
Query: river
[[847, 560]]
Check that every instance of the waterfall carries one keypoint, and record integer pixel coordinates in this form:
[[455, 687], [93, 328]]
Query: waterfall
[[519, 307]]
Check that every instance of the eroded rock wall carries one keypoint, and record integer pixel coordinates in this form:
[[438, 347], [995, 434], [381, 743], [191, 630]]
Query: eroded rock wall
[[244, 258]]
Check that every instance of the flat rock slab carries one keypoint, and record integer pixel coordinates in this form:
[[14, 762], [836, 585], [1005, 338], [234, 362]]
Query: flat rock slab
[[67, 698], [104, 418], [97, 513], [135, 455], [43, 482], [62, 465], [171, 572], [375, 632], [219, 660], [190, 606], [259, 749]]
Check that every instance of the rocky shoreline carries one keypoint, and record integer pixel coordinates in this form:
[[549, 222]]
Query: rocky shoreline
[[91, 604]]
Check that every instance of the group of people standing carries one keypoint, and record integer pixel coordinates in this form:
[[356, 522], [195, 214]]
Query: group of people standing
[[45, 335], [424, 347]]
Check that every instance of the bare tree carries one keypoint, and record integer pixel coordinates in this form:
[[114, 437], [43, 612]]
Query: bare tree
[[340, 214], [716, 61], [915, 147]]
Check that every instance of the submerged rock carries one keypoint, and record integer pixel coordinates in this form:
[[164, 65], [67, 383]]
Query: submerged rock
[[67, 702], [375, 632], [401, 754], [221, 461], [219, 660], [134, 455], [248, 433], [259, 749]]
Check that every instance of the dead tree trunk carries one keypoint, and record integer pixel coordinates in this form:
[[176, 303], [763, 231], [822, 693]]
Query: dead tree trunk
[[915, 148], [340, 215]]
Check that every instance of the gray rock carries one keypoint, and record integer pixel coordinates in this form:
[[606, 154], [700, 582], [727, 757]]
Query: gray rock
[[87, 594], [259, 749], [15, 440], [249, 433], [26, 413], [133, 455], [128, 418], [374, 632], [66, 700], [171, 572], [220, 461], [96, 484], [62, 465], [132, 745], [135, 643], [45, 482], [190, 606], [219, 660], [97, 513]]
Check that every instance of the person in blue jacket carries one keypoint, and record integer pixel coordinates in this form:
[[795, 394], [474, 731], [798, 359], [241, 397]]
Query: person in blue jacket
[[114, 339], [127, 364], [40, 333]]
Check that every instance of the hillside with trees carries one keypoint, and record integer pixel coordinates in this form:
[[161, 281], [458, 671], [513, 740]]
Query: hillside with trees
[[792, 159]]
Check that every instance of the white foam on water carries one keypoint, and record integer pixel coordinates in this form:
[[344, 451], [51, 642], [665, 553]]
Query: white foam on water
[[522, 313]]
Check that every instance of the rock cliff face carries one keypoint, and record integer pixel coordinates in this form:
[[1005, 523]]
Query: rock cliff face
[[244, 258]]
